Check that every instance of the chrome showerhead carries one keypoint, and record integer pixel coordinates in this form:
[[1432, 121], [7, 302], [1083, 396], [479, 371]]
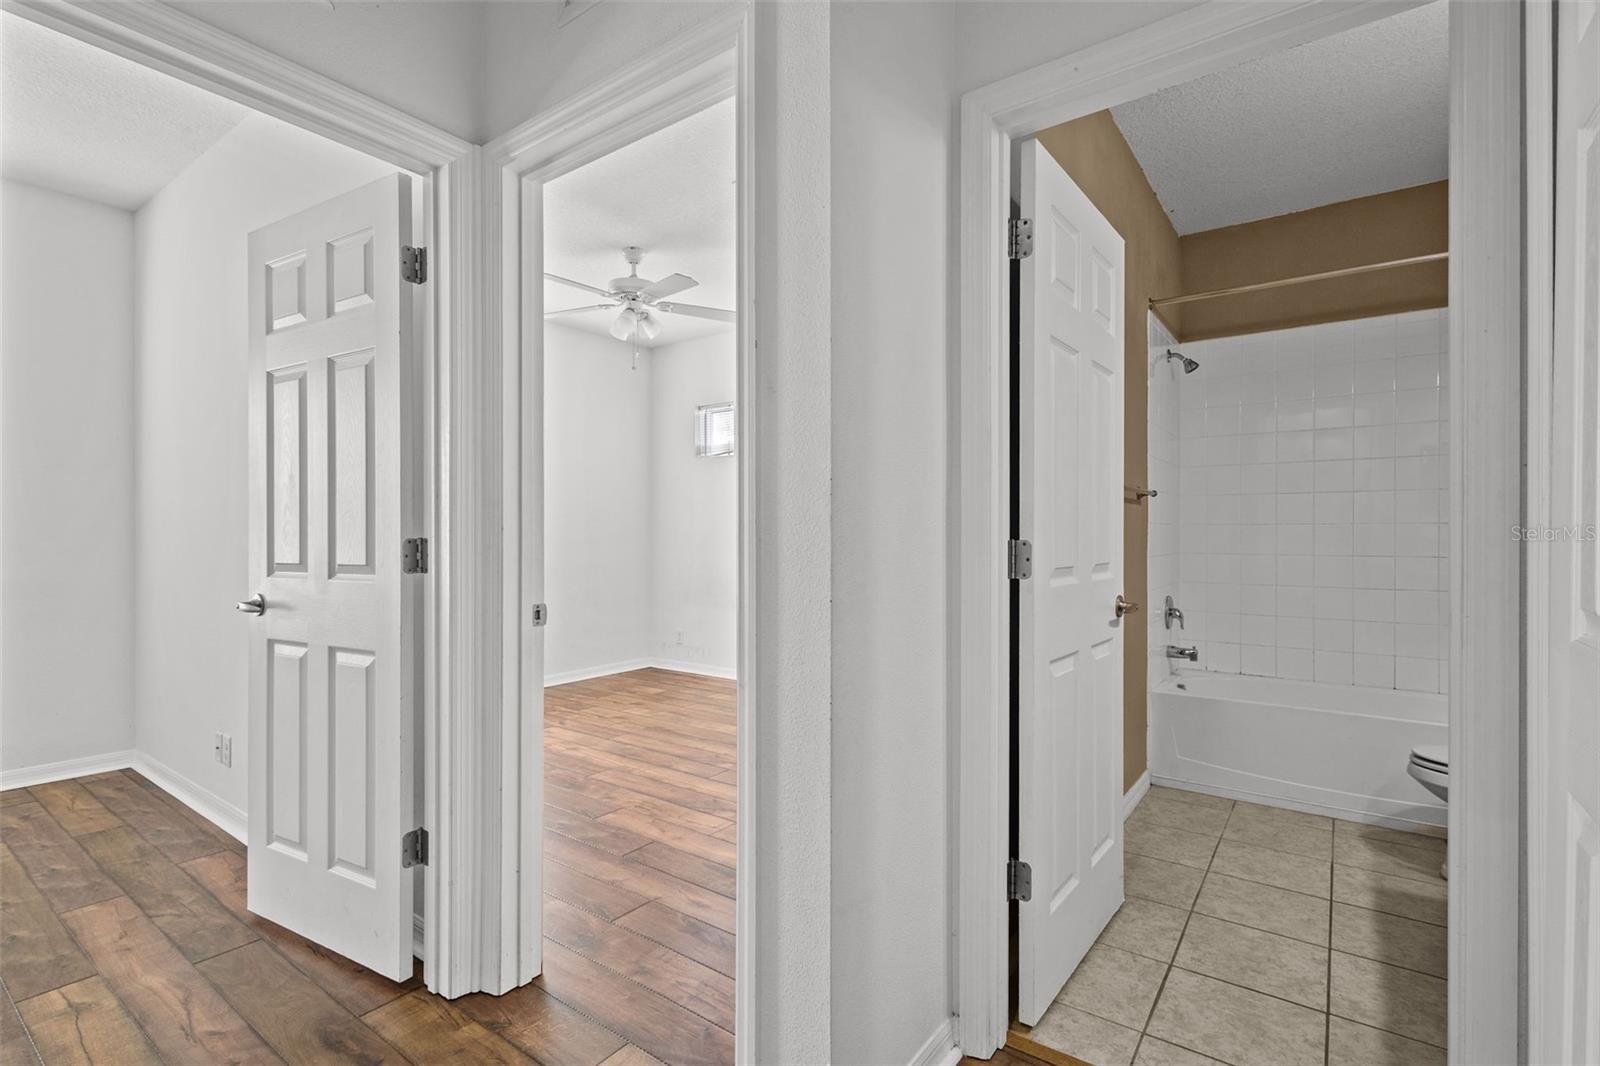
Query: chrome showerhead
[[1189, 365]]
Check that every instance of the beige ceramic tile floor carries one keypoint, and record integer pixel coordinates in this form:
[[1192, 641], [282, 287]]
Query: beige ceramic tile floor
[[1262, 937]]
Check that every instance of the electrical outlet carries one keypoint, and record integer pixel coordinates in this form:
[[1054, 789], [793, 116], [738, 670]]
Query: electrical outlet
[[222, 748]]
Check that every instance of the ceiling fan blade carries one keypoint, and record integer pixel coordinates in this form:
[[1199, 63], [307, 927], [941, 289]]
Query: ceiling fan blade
[[579, 310], [668, 285], [716, 314], [575, 284]]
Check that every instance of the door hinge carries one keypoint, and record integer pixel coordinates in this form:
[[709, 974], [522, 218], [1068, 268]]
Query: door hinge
[[414, 848], [1019, 559], [414, 555], [1019, 880], [1019, 238], [541, 614], [414, 264]]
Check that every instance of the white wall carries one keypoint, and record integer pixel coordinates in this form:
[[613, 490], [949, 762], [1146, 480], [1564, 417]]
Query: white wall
[[191, 565], [424, 57], [66, 478], [897, 72], [531, 62], [694, 510], [597, 558], [893, 183], [1313, 538], [641, 535]]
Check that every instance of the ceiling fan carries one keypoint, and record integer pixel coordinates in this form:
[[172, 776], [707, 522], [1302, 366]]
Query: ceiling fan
[[638, 300]]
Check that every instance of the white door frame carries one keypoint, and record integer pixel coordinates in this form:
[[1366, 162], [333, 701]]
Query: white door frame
[[456, 507], [686, 74], [1486, 129]]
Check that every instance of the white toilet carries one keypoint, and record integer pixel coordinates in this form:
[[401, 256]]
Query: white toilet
[[1430, 765]]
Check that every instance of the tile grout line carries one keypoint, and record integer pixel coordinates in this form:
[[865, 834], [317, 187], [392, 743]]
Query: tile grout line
[[1144, 1029], [1172, 964], [1327, 993], [1328, 900]]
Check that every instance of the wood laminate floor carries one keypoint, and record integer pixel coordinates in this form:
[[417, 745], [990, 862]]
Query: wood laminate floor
[[124, 937]]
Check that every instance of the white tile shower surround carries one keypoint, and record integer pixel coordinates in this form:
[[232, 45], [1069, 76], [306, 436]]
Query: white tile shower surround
[[1310, 495], [1161, 551]]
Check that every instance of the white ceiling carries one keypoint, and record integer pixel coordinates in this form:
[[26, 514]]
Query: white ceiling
[[80, 120], [1361, 112], [672, 194]]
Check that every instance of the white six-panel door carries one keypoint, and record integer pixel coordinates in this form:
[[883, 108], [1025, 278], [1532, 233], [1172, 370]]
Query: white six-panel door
[[331, 664], [1069, 639], [1564, 815]]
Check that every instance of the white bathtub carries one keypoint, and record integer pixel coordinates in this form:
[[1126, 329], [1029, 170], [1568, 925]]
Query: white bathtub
[[1339, 750]]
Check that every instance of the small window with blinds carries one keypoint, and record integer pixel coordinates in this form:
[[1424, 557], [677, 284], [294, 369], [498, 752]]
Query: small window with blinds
[[713, 429]]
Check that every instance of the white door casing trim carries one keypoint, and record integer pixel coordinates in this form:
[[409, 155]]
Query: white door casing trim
[[686, 74], [1488, 290], [1539, 219], [457, 502], [1173, 50]]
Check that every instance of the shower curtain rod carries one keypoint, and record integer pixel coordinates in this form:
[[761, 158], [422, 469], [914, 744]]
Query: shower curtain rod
[[1262, 286]]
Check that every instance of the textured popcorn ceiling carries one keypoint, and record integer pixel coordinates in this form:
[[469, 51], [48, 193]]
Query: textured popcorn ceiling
[[82, 121], [1361, 112]]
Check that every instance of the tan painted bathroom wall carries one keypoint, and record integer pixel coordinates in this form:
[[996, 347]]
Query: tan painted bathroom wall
[[1371, 229], [1093, 153]]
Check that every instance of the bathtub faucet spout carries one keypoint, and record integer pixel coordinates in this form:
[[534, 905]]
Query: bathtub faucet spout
[[1175, 651]]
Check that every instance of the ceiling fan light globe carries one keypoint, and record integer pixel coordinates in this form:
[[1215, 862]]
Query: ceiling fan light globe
[[649, 328], [624, 326]]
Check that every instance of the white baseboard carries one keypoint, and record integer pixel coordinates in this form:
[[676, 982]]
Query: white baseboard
[[44, 773], [1131, 799], [939, 1049], [726, 673], [567, 677], [198, 798]]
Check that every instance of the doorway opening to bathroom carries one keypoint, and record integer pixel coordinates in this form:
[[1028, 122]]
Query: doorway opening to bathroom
[[1268, 310], [1182, 939]]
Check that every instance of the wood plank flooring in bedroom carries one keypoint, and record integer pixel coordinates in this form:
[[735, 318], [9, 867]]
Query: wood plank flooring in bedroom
[[125, 935]]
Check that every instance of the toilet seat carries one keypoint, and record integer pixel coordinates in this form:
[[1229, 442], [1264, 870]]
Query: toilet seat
[[1429, 766], [1430, 775], [1431, 756]]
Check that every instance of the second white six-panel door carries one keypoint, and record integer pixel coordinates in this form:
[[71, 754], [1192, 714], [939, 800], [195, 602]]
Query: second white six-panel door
[[1069, 638]]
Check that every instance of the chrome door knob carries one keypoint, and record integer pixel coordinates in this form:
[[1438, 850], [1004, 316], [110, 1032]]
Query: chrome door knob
[[1125, 606], [256, 604]]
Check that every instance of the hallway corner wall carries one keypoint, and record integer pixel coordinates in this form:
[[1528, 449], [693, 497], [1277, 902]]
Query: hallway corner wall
[[66, 362]]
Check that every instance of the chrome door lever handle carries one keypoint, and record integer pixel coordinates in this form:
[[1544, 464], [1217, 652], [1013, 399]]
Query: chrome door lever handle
[[1125, 606], [256, 604]]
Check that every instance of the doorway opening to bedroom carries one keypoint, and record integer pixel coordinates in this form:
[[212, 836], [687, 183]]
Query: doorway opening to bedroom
[[640, 500]]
